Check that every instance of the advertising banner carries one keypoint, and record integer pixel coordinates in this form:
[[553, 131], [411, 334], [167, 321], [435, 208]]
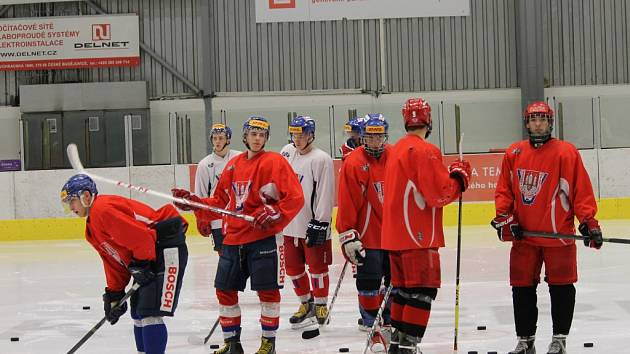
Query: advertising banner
[[322, 10], [45, 43]]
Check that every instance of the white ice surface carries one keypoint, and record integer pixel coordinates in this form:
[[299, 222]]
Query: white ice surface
[[44, 286]]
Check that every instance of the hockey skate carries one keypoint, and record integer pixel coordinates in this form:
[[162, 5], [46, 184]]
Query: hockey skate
[[558, 344], [378, 342], [267, 346], [362, 327], [231, 345], [321, 313], [408, 344], [393, 343], [304, 317], [525, 345]]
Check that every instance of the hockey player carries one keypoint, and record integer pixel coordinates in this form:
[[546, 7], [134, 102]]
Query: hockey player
[[136, 241], [307, 237], [360, 202], [207, 177], [543, 186], [417, 187], [353, 130], [261, 184]]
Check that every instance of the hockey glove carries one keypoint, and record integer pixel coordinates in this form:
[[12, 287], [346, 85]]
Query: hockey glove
[[141, 271], [507, 227], [266, 217], [110, 300], [184, 194], [217, 240], [316, 233], [592, 233], [352, 247], [204, 226], [462, 171]]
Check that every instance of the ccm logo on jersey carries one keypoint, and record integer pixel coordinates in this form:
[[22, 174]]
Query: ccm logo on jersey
[[171, 263]]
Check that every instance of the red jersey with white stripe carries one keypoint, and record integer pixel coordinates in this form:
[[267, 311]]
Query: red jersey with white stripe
[[120, 229], [246, 185], [418, 186], [545, 188], [348, 147], [360, 195]]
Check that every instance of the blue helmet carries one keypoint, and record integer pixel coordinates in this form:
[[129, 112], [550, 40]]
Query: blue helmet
[[76, 185], [254, 122], [376, 124], [221, 128], [303, 125], [354, 125]]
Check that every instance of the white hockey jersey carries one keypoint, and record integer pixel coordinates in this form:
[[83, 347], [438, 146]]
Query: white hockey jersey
[[209, 171], [316, 174]]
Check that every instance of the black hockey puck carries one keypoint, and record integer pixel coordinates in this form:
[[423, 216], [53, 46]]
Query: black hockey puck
[[344, 350], [86, 307], [309, 334], [473, 352], [588, 345], [493, 353], [214, 346], [15, 339], [481, 328]]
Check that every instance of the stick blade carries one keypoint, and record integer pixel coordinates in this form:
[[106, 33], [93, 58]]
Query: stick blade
[[73, 157]]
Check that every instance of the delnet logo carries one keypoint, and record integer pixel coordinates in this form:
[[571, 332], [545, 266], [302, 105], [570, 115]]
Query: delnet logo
[[282, 4], [101, 32]]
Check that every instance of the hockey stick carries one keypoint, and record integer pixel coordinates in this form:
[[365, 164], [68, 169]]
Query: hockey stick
[[332, 301], [102, 321], [377, 320], [571, 237], [312, 333], [460, 137], [75, 161], [196, 340]]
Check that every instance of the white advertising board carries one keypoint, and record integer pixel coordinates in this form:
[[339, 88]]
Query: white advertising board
[[45, 43], [321, 10]]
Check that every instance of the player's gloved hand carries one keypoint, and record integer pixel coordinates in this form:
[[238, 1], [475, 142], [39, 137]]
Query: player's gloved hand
[[462, 171], [352, 247], [316, 233], [184, 194], [217, 240], [507, 227], [204, 226], [141, 271], [592, 233], [265, 217], [110, 300]]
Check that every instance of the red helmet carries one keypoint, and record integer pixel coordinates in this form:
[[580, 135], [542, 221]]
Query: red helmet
[[538, 108], [416, 112]]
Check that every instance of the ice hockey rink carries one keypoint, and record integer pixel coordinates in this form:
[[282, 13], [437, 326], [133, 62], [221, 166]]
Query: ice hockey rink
[[46, 284]]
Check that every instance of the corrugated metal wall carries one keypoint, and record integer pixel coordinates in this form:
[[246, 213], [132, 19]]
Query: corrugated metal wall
[[586, 42], [169, 27]]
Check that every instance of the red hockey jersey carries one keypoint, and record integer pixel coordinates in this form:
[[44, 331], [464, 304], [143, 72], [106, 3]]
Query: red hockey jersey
[[360, 195], [120, 229], [417, 186], [545, 188], [246, 185]]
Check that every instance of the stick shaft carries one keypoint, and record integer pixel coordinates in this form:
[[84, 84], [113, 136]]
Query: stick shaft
[[571, 237]]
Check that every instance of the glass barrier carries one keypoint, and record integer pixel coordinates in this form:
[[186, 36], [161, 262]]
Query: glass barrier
[[615, 125]]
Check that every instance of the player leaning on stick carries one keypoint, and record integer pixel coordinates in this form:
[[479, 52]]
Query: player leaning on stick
[[417, 187], [307, 237], [543, 187], [207, 177], [136, 241], [360, 202], [261, 184]]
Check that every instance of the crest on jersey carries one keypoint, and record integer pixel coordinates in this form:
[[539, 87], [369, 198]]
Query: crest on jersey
[[378, 186], [241, 192], [530, 183]]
